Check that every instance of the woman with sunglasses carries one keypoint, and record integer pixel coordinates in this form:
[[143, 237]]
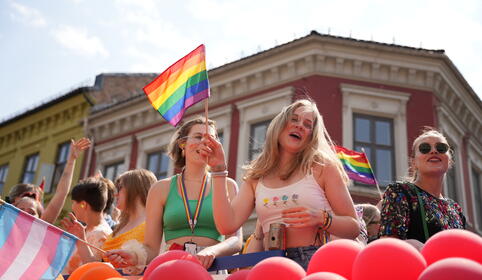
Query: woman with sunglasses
[[416, 209], [180, 207]]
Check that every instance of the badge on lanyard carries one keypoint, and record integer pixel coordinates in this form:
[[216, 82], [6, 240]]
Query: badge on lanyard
[[190, 247]]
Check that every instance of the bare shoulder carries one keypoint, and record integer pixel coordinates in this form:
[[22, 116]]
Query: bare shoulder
[[324, 171], [160, 189]]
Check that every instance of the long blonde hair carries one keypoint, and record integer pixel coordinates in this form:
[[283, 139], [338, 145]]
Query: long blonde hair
[[137, 183], [319, 149], [426, 132]]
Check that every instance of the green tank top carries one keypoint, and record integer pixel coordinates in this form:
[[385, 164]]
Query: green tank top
[[175, 220]]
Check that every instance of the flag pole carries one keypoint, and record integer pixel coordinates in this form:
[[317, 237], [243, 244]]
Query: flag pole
[[48, 224], [206, 114], [376, 181]]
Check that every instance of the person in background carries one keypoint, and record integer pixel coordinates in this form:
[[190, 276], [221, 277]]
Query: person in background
[[416, 208], [109, 207], [170, 199], [371, 217], [30, 205], [52, 211], [89, 197], [297, 180]]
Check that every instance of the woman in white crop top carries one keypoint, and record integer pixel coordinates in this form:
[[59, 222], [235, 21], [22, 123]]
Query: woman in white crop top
[[296, 180]]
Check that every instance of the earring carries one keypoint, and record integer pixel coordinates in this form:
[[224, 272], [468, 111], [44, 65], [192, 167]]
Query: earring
[[82, 205]]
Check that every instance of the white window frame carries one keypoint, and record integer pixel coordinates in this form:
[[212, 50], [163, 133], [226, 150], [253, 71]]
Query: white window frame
[[253, 110], [475, 162], [382, 103]]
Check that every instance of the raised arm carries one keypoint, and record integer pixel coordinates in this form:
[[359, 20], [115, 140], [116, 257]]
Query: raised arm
[[58, 200], [229, 213]]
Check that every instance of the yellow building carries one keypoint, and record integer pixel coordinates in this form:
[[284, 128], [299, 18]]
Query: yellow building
[[35, 144]]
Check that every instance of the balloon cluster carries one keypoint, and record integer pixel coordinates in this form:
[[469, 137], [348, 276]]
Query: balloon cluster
[[451, 254]]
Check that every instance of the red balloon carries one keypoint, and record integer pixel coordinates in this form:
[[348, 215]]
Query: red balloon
[[276, 268], [100, 272], [179, 270], [336, 256], [79, 271], [169, 256], [453, 243], [324, 276], [388, 258], [453, 268], [239, 275]]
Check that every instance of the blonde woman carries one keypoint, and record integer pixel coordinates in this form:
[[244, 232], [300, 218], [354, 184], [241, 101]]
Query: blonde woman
[[167, 213], [297, 180], [416, 209]]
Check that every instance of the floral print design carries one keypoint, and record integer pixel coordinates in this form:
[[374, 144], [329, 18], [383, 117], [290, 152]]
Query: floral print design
[[275, 201], [401, 215]]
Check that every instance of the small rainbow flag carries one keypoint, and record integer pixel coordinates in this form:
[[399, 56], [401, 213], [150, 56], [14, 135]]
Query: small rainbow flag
[[180, 86], [356, 165]]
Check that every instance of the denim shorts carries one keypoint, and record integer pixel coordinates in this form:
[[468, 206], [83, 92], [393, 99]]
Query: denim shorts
[[301, 255]]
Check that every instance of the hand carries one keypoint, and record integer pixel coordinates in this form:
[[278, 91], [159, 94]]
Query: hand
[[73, 226], [299, 217], [206, 257], [121, 258], [77, 147], [213, 150]]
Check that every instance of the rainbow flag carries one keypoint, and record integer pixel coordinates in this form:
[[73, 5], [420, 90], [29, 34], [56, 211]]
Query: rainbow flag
[[31, 248], [356, 165], [180, 86]]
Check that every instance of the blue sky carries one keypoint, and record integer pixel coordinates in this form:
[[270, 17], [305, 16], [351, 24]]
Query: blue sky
[[48, 47]]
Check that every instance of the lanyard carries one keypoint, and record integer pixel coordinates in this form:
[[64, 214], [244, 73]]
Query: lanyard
[[192, 219]]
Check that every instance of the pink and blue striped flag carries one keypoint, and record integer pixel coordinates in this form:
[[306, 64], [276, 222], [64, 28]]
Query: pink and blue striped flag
[[31, 248]]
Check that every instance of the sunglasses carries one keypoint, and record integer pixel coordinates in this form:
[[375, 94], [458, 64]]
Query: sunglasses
[[425, 148]]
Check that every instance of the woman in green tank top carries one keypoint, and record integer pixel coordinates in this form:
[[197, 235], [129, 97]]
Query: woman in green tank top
[[180, 207]]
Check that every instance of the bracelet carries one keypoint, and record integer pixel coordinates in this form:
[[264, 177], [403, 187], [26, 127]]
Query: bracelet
[[326, 221], [220, 174], [218, 168]]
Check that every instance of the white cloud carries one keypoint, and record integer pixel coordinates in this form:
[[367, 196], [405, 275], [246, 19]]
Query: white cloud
[[27, 15], [79, 41]]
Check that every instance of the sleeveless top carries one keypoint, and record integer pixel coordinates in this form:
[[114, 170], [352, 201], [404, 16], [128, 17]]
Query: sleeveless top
[[270, 202], [175, 221]]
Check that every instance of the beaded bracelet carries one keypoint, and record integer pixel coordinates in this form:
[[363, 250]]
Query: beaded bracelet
[[326, 221]]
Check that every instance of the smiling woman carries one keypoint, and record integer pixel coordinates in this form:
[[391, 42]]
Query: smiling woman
[[416, 209]]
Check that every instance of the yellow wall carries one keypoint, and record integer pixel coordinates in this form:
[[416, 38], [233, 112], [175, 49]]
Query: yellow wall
[[42, 131]]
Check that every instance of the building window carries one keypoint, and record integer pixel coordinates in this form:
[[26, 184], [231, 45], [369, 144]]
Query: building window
[[62, 156], [451, 181], [158, 162], [375, 136], [29, 168], [3, 176], [112, 170], [476, 187], [257, 137]]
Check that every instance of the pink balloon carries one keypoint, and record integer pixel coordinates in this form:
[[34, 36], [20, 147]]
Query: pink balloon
[[239, 275], [179, 270], [453, 243], [276, 268], [324, 276], [169, 256], [388, 258], [453, 268], [336, 256]]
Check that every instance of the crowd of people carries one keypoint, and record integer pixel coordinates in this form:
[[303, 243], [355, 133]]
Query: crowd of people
[[297, 186]]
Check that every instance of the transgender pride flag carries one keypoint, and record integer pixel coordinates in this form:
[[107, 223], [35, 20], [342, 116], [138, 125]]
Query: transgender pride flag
[[31, 248]]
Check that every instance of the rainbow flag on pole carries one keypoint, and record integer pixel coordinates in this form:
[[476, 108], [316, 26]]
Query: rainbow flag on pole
[[356, 165], [31, 248], [180, 86]]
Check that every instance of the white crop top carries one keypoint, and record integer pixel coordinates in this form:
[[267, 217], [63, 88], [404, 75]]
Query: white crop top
[[271, 201]]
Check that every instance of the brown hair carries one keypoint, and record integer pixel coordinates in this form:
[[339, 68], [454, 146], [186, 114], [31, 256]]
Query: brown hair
[[19, 189], [136, 183], [319, 149], [93, 191], [175, 152], [110, 194]]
